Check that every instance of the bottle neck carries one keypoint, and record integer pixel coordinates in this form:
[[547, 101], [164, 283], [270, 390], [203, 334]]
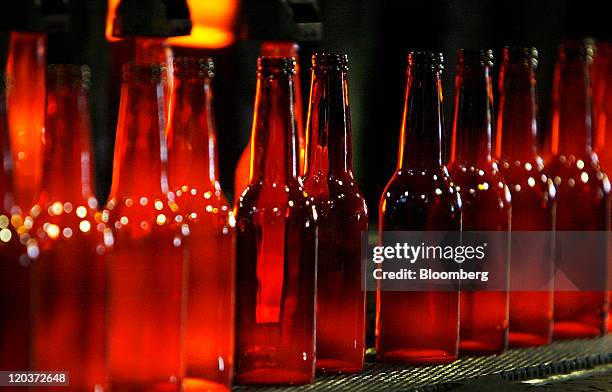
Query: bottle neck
[[274, 144], [140, 148], [421, 133], [67, 170], [571, 127], [329, 124], [6, 164], [192, 139], [471, 138], [517, 127]]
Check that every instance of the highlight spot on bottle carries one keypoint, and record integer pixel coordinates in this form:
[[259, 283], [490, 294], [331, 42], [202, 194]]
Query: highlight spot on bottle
[[53, 231], [56, 208], [4, 221], [161, 219], [159, 205], [5, 235], [85, 226], [81, 212]]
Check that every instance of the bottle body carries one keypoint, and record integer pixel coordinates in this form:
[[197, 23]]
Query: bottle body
[[68, 291], [485, 197], [579, 180], [419, 326], [533, 202], [276, 245], [207, 226], [146, 267], [342, 218]]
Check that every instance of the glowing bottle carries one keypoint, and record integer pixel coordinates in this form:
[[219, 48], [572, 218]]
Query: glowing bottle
[[486, 199], [207, 224], [68, 296], [419, 326], [276, 244], [146, 265], [342, 217], [533, 203], [583, 202]]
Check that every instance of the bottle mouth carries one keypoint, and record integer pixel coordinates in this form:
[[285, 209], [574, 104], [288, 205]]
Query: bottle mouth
[[577, 50], [69, 74], [194, 67], [333, 61], [521, 55], [143, 72], [275, 65], [474, 58], [426, 60]]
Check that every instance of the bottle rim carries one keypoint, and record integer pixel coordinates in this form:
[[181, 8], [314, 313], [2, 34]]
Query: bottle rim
[[327, 60], [64, 74], [426, 60], [474, 58], [520, 55], [153, 72], [193, 67], [275, 65]]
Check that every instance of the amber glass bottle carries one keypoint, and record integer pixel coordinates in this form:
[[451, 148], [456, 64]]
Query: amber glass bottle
[[420, 327], [533, 204], [342, 217], [579, 181], [276, 244], [602, 111], [486, 199], [68, 295], [275, 49], [207, 225], [14, 271], [146, 267]]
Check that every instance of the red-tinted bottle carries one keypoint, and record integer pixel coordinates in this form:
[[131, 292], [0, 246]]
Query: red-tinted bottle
[[276, 244], [284, 49], [419, 326], [602, 112], [207, 224], [533, 203], [486, 199], [68, 295], [342, 217], [579, 181], [146, 266], [14, 270]]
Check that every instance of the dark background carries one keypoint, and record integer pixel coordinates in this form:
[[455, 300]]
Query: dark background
[[377, 35]]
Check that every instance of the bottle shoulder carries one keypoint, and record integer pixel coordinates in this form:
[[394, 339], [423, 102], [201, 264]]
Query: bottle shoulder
[[578, 174], [482, 184]]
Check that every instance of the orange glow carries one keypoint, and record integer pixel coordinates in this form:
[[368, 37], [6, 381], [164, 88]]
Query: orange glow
[[25, 71], [212, 23]]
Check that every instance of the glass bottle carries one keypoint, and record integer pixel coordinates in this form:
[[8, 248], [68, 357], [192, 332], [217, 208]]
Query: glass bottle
[[68, 290], [14, 269], [275, 49], [602, 111], [207, 225], [25, 72], [419, 326], [533, 203], [342, 217], [276, 244], [579, 181], [485, 196], [146, 269]]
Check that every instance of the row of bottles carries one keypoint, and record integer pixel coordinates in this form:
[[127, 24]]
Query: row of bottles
[[153, 284]]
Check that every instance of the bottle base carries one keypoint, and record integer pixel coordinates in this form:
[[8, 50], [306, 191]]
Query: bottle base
[[331, 366], [273, 376], [526, 339], [418, 356], [145, 386], [193, 384], [574, 330], [474, 347]]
